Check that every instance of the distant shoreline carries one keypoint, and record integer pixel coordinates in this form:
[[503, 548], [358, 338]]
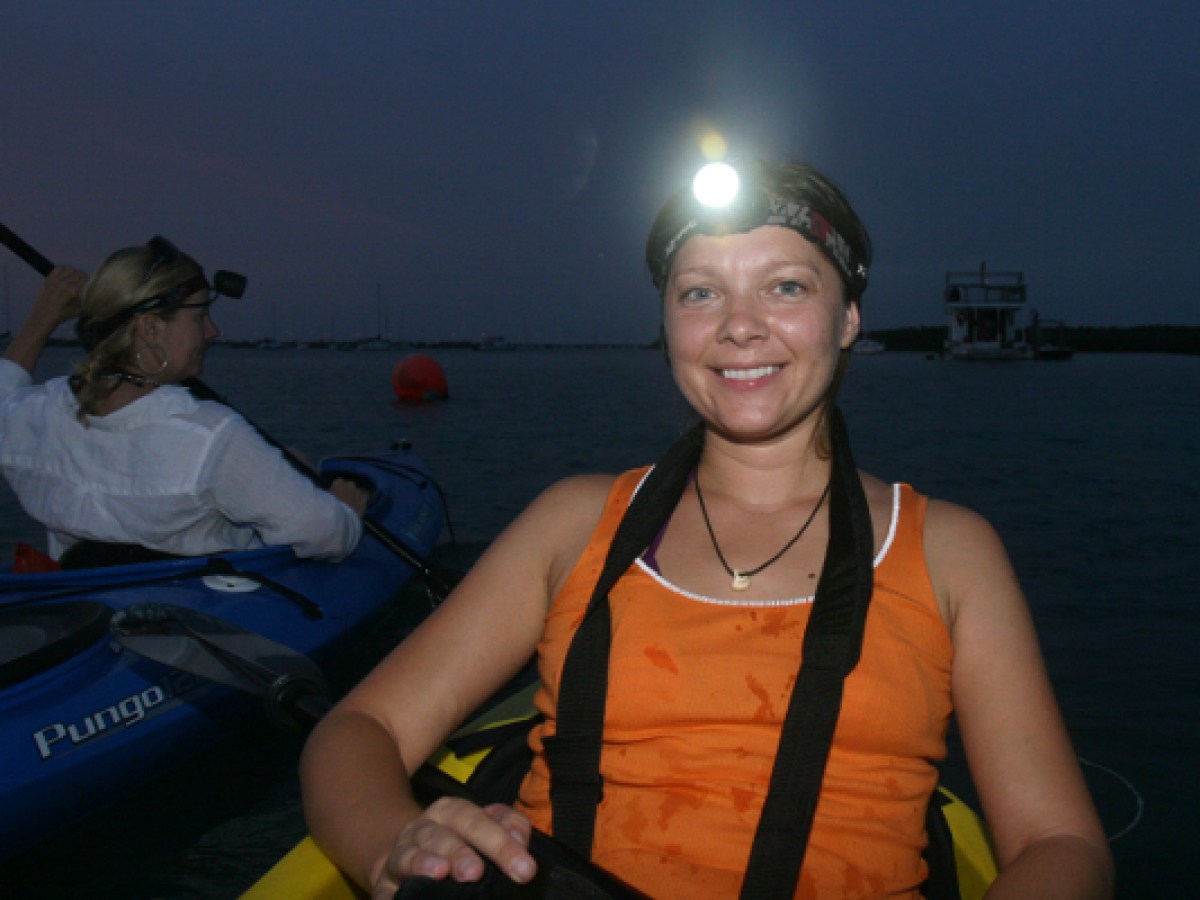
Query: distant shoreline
[[1181, 339]]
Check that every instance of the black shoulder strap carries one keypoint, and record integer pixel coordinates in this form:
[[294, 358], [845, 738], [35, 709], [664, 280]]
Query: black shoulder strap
[[831, 649], [573, 752], [832, 643]]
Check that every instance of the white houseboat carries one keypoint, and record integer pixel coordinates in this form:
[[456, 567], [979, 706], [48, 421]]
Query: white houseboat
[[989, 319], [983, 308]]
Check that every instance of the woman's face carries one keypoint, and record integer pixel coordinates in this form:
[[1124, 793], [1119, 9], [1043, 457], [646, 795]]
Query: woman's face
[[755, 324], [185, 338]]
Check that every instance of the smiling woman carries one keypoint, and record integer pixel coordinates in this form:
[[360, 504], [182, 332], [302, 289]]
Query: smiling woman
[[755, 325], [749, 653]]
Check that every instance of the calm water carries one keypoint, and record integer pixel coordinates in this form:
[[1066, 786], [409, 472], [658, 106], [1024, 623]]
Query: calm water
[[1087, 468]]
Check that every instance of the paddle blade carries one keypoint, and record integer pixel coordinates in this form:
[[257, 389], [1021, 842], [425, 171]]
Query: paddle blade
[[219, 651]]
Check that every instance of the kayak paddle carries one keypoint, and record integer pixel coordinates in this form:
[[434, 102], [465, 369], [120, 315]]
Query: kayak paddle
[[227, 654], [219, 651]]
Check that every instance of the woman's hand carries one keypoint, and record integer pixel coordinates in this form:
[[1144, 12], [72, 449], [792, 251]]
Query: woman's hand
[[451, 838], [351, 494], [57, 302]]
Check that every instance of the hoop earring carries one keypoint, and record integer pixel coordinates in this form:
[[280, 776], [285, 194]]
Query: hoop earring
[[137, 359]]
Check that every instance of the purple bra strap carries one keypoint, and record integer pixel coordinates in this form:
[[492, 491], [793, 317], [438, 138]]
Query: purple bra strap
[[650, 557]]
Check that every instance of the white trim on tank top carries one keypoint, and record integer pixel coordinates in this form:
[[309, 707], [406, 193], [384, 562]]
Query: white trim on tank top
[[674, 588]]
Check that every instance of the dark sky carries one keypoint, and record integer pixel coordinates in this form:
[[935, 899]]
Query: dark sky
[[493, 167]]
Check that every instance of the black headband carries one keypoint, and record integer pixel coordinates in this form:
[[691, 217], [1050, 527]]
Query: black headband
[[92, 334], [754, 207], [230, 284]]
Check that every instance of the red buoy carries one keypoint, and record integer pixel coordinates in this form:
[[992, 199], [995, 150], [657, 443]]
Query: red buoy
[[419, 378]]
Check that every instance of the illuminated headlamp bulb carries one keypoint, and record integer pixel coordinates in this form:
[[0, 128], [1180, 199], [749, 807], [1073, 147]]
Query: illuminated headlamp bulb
[[716, 185]]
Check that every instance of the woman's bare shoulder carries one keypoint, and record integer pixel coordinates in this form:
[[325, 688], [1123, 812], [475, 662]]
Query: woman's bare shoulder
[[880, 497], [573, 502], [953, 531], [593, 486], [877, 490], [560, 522], [953, 534], [968, 563]]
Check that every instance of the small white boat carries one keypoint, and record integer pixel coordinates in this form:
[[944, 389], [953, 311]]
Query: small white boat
[[375, 343], [867, 346]]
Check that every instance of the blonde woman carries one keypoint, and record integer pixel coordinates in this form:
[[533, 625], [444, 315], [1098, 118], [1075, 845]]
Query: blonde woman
[[120, 454]]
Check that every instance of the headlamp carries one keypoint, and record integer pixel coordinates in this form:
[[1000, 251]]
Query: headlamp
[[228, 284], [725, 199], [716, 185], [224, 283]]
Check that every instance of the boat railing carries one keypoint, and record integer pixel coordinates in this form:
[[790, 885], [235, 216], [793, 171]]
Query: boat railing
[[981, 287], [991, 297]]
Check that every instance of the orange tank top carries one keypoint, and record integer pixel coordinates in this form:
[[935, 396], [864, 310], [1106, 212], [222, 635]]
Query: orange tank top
[[698, 690]]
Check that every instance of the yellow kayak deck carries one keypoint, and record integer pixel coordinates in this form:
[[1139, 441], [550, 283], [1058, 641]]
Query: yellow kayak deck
[[306, 873]]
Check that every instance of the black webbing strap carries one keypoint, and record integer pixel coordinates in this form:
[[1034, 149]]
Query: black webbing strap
[[831, 649], [573, 752]]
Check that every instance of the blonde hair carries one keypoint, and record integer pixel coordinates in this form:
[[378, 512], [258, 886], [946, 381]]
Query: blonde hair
[[127, 278]]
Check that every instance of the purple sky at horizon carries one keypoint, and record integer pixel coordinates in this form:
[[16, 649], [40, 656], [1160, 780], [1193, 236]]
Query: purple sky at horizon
[[493, 168]]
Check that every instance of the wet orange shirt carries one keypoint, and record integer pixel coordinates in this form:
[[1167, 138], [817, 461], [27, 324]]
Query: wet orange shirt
[[698, 691]]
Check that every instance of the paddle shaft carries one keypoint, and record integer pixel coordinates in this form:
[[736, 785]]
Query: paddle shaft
[[394, 544], [18, 246]]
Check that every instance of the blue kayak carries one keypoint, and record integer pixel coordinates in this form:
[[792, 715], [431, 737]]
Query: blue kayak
[[84, 721]]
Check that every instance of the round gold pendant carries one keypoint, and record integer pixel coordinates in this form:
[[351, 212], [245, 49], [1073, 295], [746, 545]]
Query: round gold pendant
[[740, 581]]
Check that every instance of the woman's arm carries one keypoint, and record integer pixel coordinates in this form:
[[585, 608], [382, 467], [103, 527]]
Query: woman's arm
[[355, 767], [1047, 834], [57, 302], [252, 484]]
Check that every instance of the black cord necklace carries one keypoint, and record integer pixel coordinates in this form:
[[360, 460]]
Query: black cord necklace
[[741, 580]]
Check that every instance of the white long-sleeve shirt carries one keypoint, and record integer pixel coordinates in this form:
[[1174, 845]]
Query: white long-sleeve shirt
[[167, 472]]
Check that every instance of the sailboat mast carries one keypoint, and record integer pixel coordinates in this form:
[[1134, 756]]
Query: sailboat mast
[[8, 320], [381, 323]]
